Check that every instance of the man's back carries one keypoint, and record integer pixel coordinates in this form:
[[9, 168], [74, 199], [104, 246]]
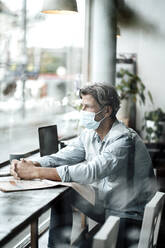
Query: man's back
[[130, 182]]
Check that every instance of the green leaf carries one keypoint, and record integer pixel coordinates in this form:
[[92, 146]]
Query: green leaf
[[150, 97]]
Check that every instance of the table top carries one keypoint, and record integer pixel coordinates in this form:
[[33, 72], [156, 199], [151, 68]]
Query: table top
[[18, 209]]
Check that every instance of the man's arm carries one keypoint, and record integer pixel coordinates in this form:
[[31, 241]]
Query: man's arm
[[72, 154], [48, 173], [108, 163], [32, 170], [46, 166]]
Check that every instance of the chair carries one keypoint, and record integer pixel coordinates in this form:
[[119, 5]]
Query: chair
[[151, 221], [106, 237]]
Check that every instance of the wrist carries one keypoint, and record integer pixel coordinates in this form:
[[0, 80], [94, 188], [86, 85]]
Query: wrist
[[36, 173], [39, 173]]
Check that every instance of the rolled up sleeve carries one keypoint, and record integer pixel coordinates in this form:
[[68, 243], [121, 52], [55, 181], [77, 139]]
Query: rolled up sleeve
[[64, 174], [108, 163]]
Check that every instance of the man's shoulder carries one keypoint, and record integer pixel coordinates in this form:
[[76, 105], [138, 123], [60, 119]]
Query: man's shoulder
[[119, 130]]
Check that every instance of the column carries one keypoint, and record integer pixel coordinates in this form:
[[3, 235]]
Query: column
[[102, 41]]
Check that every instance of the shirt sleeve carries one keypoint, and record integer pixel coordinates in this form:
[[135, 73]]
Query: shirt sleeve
[[71, 154], [109, 163]]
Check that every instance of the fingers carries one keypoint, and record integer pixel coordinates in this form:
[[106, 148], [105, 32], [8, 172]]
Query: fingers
[[13, 169], [16, 175], [27, 162], [21, 169], [14, 161], [22, 160]]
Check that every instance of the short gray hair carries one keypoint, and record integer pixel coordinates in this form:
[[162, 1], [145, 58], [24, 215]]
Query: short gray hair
[[105, 95]]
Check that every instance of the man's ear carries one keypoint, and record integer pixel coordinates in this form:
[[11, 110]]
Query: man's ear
[[108, 111]]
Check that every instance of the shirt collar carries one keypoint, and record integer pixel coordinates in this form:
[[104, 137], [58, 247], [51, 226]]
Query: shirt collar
[[117, 129]]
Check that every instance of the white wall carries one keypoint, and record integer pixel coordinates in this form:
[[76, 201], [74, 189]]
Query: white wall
[[145, 36]]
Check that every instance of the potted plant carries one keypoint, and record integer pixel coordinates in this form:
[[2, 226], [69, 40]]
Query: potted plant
[[130, 89], [131, 86], [155, 125]]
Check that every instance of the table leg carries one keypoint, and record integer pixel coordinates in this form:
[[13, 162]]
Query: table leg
[[34, 234]]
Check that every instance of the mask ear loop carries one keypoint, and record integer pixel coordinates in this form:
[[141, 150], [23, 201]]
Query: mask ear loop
[[99, 113], [111, 115]]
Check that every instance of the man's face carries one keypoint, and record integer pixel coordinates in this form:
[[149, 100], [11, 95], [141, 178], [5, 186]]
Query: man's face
[[89, 104]]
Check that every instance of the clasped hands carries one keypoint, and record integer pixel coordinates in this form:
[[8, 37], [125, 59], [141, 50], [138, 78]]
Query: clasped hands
[[23, 169]]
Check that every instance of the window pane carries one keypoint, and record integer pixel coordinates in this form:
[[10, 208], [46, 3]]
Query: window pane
[[40, 72]]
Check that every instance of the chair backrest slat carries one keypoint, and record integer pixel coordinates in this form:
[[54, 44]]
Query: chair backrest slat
[[151, 221], [106, 237]]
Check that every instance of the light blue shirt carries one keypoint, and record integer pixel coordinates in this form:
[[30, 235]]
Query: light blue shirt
[[119, 167]]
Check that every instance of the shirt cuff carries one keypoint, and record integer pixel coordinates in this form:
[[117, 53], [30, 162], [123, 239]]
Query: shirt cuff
[[63, 172]]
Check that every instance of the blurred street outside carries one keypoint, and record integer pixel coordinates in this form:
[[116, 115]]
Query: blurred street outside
[[22, 135]]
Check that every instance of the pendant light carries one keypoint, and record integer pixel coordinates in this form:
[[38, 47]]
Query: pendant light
[[59, 6]]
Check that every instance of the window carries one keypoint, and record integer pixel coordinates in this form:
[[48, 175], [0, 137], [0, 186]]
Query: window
[[40, 71]]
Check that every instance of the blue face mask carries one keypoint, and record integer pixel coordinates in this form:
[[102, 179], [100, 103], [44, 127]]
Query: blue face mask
[[87, 119]]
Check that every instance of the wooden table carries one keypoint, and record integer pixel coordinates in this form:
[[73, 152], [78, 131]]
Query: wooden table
[[21, 208]]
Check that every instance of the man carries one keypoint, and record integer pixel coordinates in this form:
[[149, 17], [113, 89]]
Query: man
[[107, 155]]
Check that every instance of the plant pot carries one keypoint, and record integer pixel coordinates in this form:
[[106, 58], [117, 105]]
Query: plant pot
[[127, 112], [124, 111]]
